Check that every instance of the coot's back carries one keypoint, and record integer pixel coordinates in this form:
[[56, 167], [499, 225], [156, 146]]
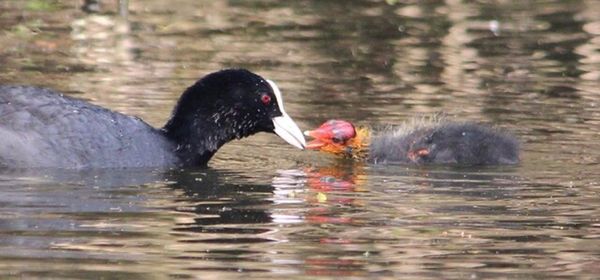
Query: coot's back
[[42, 128]]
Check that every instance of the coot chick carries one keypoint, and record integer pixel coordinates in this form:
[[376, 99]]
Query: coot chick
[[419, 142], [42, 128]]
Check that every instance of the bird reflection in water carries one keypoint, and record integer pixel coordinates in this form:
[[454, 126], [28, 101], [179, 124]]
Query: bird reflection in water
[[330, 203]]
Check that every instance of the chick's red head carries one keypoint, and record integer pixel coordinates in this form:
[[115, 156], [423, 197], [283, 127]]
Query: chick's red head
[[333, 136]]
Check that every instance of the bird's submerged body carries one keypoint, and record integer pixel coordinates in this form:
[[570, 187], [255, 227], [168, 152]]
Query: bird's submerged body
[[421, 141], [40, 128]]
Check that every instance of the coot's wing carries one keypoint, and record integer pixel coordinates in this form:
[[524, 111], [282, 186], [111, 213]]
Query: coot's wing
[[40, 128]]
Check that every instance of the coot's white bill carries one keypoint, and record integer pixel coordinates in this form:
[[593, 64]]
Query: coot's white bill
[[285, 127]]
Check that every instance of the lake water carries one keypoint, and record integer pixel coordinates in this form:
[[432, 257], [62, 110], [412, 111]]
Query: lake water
[[264, 209]]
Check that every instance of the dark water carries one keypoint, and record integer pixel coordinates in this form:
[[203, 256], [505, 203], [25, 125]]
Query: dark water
[[266, 210]]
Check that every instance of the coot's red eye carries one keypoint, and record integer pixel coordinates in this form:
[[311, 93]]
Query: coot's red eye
[[266, 99]]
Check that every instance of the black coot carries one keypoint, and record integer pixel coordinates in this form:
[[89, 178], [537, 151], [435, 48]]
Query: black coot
[[42, 128], [421, 141]]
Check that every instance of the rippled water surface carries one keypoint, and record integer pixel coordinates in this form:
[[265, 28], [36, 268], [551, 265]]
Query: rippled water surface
[[266, 210]]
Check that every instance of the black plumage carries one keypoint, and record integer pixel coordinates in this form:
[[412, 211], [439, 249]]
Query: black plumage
[[42, 128], [445, 143]]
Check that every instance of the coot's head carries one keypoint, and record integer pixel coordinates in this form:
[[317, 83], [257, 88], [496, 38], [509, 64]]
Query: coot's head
[[229, 104], [337, 137], [448, 143], [464, 143], [422, 150]]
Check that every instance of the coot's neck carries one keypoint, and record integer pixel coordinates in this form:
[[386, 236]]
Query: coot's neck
[[196, 147], [358, 147], [198, 127]]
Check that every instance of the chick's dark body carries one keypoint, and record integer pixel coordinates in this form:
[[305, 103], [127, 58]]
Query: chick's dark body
[[446, 143]]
